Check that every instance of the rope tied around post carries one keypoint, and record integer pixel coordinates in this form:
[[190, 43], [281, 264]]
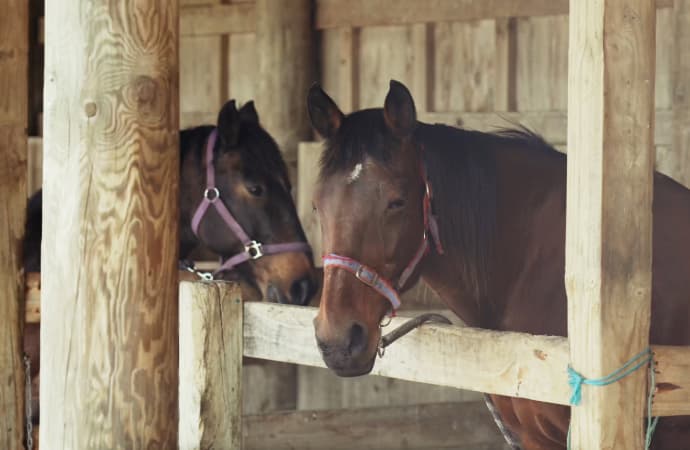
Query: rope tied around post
[[642, 359]]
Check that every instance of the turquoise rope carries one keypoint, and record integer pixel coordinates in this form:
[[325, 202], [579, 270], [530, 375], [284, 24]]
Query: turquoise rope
[[645, 357]]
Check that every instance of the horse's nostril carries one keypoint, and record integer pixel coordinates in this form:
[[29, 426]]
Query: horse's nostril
[[302, 291], [358, 340]]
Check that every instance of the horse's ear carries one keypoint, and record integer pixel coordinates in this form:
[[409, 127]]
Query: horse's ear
[[248, 112], [399, 111], [229, 124], [323, 112]]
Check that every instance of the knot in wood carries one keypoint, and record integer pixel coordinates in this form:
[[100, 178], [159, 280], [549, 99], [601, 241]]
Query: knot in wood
[[90, 109], [145, 89]]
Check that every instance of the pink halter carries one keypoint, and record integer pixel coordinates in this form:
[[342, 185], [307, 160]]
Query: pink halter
[[371, 278], [252, 249]]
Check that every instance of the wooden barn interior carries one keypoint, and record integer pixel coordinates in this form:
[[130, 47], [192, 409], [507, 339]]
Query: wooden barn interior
[[476, 64]]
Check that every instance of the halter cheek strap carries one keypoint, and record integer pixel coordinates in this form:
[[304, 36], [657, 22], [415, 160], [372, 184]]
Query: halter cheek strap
[[252, 249], [380, 284]]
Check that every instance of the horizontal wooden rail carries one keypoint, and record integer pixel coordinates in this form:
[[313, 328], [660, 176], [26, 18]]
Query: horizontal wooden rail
[[514, 364], [506, 363], [241, 17]]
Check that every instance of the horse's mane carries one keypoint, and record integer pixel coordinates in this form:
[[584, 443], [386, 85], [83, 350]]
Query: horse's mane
[[462, 171], [258, 150]]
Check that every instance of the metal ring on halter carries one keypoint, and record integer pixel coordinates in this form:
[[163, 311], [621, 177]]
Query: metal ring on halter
[[214, 191], [254, 250], [371, 281]]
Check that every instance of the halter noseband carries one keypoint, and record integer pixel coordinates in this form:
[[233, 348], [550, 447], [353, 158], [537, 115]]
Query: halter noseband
[[252, 249], [371, 278]]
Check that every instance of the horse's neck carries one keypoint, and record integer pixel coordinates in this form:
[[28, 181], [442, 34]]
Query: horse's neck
[[192, 182], [521, 180]]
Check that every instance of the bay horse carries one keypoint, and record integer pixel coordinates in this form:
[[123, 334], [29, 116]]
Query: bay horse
[[248, 209], [491, 243]]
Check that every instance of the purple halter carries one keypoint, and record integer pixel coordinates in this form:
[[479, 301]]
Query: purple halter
[[252, 249]]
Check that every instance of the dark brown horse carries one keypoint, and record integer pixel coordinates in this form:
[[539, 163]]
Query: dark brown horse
[[500, 205], [252, 183]]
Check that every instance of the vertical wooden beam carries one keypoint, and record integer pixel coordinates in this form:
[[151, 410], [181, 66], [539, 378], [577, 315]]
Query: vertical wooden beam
[[505, 95], [681, 91], [422, 75], [284, 48], [210, 392], [348, 69], [14, 49], [111, 164], [609, 222]]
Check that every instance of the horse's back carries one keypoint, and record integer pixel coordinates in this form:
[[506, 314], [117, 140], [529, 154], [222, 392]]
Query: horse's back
[[671, 263]]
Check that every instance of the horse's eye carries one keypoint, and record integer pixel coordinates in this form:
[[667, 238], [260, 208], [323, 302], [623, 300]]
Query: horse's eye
[[255, 189], [396, 204]]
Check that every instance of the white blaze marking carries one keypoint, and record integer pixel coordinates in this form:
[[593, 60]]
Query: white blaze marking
[[356, 172]]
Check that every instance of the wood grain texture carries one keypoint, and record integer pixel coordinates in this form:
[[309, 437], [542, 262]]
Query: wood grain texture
[[464, 66], [35, 165], [385, 53], [201, 78], [505, 78], [242, 68], [210, 390], [111, 175], [542, 63], [681, 89], [14, 103], [218, 19], [307, 178], [505, 363], [458, 426], [286, 70], [609, 213], [363, 13]]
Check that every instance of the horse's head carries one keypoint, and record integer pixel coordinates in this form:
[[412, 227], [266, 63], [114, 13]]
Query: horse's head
[[253, 185], [370, 203]]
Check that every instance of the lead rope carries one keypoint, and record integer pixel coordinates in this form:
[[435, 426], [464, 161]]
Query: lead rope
[[27, 403]]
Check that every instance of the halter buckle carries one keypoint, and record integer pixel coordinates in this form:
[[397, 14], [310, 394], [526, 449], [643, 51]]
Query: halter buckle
[[212, 194], [369, 277], [254, 250]]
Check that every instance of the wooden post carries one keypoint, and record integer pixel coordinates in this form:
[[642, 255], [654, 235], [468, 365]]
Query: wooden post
[[111, 164], [609, 222], [284, 48], [211, 346], [680, 154], [14, 98]]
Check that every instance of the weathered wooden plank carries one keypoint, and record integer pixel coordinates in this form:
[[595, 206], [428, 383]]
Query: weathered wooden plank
[[307, 176], [218, 19], [505, 363], [210, 388], [423, 65], [348, 69], [14, 103], [505, 78], [110, 201], [460, 426], [242, 68], [364, 13], [200, 80], [286, 67], [542, 64], [609, 213], [35, 165], [681, 91], [464, 72], [384, 53]]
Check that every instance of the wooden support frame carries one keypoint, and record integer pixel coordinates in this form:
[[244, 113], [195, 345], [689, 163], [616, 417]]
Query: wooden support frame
[[609, 212], [210, 389], [109, 347], [14, 102]]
